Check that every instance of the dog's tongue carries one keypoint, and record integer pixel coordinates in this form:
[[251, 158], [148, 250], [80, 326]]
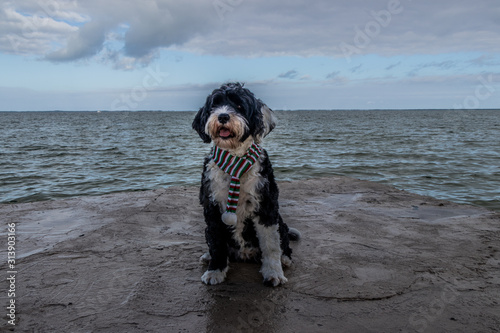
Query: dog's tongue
[[224, 133]]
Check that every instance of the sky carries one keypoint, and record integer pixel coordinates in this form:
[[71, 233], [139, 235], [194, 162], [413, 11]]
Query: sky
[[294, 55]]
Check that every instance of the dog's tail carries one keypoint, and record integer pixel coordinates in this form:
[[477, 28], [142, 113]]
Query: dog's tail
[[294, 234]]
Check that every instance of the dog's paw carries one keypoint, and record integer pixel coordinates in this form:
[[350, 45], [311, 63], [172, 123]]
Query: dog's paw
[[275, 280], [214, 277], [286, 261], [205, 259], [273, 276]]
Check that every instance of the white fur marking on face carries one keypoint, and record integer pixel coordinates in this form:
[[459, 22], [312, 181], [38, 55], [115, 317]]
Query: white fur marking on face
[[236, 124]]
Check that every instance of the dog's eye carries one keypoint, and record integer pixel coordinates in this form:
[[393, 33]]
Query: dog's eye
[[239, 107]]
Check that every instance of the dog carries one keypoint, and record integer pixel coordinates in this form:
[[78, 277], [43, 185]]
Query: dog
[[238, 190]]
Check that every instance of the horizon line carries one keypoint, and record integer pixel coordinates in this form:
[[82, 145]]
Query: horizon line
[[279, 110]]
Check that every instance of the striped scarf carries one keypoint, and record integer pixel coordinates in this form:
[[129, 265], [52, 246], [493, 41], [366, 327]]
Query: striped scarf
[[235, 167]]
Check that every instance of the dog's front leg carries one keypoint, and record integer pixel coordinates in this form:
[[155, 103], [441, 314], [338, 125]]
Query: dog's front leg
[[269, 242], [217, 270], [216, 235], [218, 266]]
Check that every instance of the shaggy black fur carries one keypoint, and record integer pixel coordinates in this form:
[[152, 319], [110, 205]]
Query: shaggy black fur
[[219, 236], [241, 100]]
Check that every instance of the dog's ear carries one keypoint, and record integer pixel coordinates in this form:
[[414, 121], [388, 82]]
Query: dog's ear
[[200, 120], [268, 119]]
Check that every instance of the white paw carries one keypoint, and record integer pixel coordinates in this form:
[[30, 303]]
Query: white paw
[[286, 261], [275, 280], [214, 277], [205, 259], [273, 275]]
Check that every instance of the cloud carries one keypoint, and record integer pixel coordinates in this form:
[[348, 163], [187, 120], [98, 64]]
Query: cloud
[[33, 34], [319, 28], [332, 75], [146, 26], [169, 23], [356, 69], [485, 61], [336, 79], [84, 43], [60, 33], [65, 30], [292, 74], [440, 65], [393, 66]]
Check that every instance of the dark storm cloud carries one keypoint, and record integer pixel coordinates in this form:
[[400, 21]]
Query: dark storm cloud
[[62, 30]]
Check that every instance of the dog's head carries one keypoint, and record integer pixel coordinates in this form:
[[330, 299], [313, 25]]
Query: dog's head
[[231, 115]]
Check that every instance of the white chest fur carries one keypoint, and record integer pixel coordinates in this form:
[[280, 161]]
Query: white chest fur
[[249, 199], [251, 183]]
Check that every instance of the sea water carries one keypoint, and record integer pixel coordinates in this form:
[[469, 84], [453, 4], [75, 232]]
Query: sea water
[[447, 154]]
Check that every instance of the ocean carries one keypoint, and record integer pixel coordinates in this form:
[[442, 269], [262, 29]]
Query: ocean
[[447, 154]]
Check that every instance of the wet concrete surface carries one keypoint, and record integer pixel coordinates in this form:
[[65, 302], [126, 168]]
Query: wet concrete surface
[[371, 259]]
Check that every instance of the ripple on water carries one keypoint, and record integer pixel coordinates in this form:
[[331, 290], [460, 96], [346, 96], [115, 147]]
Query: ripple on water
[[439, 153]]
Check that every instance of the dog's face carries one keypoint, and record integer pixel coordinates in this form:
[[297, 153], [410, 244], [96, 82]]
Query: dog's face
[[231, 115]]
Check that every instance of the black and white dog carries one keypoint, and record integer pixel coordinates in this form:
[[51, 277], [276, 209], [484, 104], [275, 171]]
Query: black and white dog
[[236, 122]]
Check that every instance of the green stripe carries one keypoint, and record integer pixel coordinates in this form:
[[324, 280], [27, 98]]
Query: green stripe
[[236, 167], [235, 163], [218, 152], [226, 165]]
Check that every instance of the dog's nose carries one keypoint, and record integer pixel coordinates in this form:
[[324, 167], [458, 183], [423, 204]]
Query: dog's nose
[[223, 118]]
